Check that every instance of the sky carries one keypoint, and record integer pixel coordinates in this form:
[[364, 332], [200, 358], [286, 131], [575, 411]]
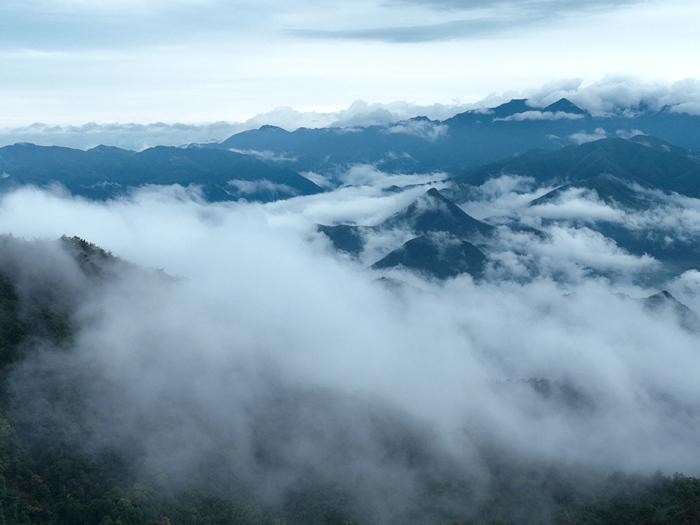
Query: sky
[[193, 61]]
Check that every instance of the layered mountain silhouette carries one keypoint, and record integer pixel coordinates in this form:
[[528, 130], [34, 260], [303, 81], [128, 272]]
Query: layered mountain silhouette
[[444, 243], [465, 140], [105, 172], [630, 175], [633, 173], [602, 165]]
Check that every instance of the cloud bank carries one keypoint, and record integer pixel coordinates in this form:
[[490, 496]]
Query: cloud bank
[[291, 362]]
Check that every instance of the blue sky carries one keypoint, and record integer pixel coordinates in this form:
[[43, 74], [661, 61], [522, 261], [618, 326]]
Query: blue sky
[[73, 61]]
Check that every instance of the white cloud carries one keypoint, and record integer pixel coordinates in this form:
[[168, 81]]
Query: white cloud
[[265, 313], [249, 187], [265, 155], [502, 197], [541, 115], [605, 97], [628, 134], [430, 131], [615, 94], [369, 175], [583, 137], [142, 136], [578, 204]]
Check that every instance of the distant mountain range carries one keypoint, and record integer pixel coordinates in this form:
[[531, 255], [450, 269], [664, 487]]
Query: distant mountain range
[[105, 172], [466, 140], [558, 146], [269, 163], [634, 175]]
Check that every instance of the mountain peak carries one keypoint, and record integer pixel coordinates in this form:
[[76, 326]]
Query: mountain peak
[[436, 255], [271, 128], [512, 107], [102, 148], [433, 212], [564, 105]]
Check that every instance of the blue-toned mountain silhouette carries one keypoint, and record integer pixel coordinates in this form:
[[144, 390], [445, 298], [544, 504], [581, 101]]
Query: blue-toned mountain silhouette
[[443, 246], [643, 160], [105, 172], [466, 140]]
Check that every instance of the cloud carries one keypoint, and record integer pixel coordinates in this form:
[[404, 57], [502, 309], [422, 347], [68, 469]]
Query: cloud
[[611, 95], [124, 135], [501, 197], [687, 288], [540, 6], [412, 33], [248, 187], [142, 136], [675, 217], [628, 134], [667, 226], [625, 95], [430, 131], [265, 155], [467, 20], [582, 137], [369, 175], [586, 247], [541, 115], [288, 362], [578, 204], [75, 25]]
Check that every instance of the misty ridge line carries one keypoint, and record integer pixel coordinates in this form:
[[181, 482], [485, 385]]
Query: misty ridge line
[[609, 96]]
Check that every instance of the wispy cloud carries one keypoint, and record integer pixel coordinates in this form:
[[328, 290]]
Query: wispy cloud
[[465, 19]]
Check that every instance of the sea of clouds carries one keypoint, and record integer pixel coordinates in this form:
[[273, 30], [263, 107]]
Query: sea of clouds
[[291, 362]]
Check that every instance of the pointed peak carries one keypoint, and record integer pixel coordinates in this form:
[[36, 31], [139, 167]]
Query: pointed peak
[[434, 192], [564, 105], [662, 295], [433, 212]]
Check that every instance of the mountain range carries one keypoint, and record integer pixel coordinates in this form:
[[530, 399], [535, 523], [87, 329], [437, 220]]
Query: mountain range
[[105, 172], [465, 140], [635, 173]]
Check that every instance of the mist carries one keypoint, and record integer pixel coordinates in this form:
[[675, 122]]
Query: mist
[[289, 363]]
